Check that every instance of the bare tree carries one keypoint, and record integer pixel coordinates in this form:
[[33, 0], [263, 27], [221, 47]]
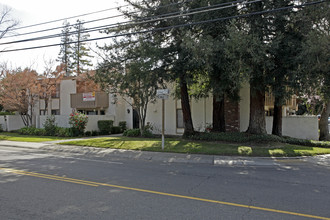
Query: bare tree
[[49, 80], [7, 23]]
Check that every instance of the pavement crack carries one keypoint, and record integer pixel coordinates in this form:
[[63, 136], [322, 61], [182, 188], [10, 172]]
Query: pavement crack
[[245, 214], [193, 188]]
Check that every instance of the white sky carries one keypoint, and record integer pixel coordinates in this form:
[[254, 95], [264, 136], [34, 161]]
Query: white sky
[[30, 12]]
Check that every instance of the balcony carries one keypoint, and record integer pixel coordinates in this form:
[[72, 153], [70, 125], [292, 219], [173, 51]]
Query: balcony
[[97, 100]]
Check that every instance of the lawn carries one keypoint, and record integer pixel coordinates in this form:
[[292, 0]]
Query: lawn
[[178, 145], [25, 138]]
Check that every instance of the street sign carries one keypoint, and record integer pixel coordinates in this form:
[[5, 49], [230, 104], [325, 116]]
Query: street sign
[[162, 96], [163, 91]]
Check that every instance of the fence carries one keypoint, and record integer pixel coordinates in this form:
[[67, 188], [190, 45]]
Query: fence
[[63, 121], [304, 127], [11, 122]]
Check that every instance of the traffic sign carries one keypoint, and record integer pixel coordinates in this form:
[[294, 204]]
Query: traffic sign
[[163, 91], [162, 96]]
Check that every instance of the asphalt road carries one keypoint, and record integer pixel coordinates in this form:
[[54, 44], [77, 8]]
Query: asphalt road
[[37, 184]]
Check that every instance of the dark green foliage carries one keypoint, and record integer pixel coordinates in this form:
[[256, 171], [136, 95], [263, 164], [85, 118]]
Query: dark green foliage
[[81, 52], [105, 126], [63, 132], [88, 133], [50, 125], [122, 125], [116, 130], [132, 132], [238, 137], [95, 133], [32, 131], [147, 133], [65, 53]]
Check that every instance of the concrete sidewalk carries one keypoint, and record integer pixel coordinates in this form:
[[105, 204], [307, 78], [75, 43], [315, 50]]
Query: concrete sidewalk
[[323, 160]]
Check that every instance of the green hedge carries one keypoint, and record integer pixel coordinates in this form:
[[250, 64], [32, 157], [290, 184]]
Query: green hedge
[[255, 138], [132, 132], [122, 125], [105, 126], [116, 130], [7, 113]]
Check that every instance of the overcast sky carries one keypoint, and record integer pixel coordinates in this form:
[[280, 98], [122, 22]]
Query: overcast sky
[[30, 12]]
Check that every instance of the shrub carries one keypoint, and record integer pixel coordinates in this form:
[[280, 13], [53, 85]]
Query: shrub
[[50, 125], [105, 126], [78, 122], [255, 138], [132, 132], [122, 125], [95, 133], [32, 131], [116, 130], [7, 113], [88, 133], [63, 132], [147, 133]]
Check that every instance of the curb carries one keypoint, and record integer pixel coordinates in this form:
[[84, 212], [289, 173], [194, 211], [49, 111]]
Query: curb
[[166, 157]]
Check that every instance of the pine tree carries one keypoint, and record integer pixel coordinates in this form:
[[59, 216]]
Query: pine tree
[[66, 49], [81, 53]]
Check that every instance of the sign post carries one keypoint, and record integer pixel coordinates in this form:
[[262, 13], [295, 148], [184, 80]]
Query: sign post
[[163, 124], [163, 94]]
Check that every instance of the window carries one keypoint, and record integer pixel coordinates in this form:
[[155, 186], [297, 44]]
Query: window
[[42, 112], [56, 112], [56, 93], [102, 112], [92, 112], [179, 118]]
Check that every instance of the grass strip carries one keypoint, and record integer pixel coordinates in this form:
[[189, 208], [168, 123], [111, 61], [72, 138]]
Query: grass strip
[[179, 145], [25, 138]]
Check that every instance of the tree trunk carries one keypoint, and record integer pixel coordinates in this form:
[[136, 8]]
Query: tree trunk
[[323, 124], [277, 119], [218, 120], [187, 120], [257, 121]]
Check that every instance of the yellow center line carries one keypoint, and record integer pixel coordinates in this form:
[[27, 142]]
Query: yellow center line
[[91, 183], [52, 177]]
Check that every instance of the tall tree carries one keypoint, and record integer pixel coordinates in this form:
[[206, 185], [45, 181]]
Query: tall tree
[[66, 50], [175, 59], [80, 51], [248, 38], [19, 92], [284, 47], [210, 41], [314, 57], [130, 70]]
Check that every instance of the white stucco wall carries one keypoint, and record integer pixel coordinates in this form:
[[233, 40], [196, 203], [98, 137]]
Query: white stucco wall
[[3, 123], [305, 127], [63, 121], [14, 122], [244, 107], [67, 87], [201, 111]]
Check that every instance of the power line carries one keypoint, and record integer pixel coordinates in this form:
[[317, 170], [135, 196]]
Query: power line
[[178, 26], [76, 16], [143, 20], [63, 19]]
